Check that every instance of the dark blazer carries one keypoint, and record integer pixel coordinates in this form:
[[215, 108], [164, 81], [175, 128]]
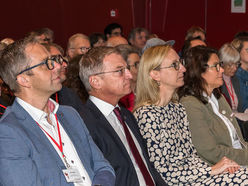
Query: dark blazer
[[236, 87], [242, 124], [28, 158], [112, 147], [66, 96]]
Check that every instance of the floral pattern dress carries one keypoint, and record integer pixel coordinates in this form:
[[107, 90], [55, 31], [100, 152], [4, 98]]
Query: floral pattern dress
[[166, 132]]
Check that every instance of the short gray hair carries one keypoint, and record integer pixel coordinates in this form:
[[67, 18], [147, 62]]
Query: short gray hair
[[14, 60], [229, 54], [74, 37], [92, 63]]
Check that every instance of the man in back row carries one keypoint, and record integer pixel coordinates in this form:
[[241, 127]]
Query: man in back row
[[41, 142], [114, 129]]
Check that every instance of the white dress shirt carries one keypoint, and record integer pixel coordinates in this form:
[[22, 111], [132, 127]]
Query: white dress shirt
[[107, 111], [69, 150]]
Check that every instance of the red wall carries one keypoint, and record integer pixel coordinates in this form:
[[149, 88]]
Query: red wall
[[168, 18]]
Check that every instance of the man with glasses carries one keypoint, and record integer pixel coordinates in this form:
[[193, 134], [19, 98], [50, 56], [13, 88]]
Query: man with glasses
[[41, 142], [113, 29], [77, 44], [66, 96], [114, 129]]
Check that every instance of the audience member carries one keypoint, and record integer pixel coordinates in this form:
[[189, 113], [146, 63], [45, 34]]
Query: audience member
[[241, 44], [241, 34], [164, 126], [132, 58], [66, 96], [155, 42], [214, 129], [42, 142], [114, 129], [115, 41], [77, 44], [138, 37], [196, 31], [191, 42], [73, 80], [97, 39], [231, 88], [113, 29], [42, 35]]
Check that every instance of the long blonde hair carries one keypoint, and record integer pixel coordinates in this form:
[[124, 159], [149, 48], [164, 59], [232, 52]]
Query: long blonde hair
[[147, 89]]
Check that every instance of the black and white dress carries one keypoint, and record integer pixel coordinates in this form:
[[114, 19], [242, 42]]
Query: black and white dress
[[166, 132]]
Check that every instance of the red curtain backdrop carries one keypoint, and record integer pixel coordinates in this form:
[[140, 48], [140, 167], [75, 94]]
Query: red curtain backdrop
[[169, 19]]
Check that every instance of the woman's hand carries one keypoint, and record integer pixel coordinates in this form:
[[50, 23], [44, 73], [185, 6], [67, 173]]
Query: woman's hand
[[224, 165]]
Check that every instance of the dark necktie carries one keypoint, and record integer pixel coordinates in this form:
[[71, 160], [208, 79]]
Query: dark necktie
[[134, 150]]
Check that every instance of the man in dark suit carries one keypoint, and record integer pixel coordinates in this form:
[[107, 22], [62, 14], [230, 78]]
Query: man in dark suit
[[43, 143], [106, 77]]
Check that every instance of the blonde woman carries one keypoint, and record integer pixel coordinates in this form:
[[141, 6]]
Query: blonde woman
[[164, 126]]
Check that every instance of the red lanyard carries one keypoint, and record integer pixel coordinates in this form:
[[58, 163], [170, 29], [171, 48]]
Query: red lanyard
[[231, 92], [56, 97], [60, 146], [3, 106]]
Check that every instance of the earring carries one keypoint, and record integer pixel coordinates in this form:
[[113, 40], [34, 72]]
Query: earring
[[158, 82]]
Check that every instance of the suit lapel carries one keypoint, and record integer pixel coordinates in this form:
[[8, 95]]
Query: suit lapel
[[100, 118], [34, 131]]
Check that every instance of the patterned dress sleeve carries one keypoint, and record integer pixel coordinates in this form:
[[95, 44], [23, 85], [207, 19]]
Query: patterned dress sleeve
[[165, 130]]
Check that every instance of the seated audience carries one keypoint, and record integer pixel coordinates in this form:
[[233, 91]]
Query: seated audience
[[132, 58], [113, 29], [241, 44], [164, 126], [113, 128], [214, 129], [42, 35], [115, 41], [97, 39], [231, 88], [191, 42], [43, 143], [77, 44], [138, 37], [155, 42], [196, 31], [73, 80]]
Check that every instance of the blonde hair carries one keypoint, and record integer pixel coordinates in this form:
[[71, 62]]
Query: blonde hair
[[147, 89]]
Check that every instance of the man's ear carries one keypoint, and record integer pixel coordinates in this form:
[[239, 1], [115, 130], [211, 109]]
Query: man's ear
[[23, 80], [154, 74], [95, 82]]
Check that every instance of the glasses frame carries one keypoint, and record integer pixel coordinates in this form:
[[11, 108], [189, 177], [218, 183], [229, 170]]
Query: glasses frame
[[175, 65], [217, 65], [121, 71], [52, 58]]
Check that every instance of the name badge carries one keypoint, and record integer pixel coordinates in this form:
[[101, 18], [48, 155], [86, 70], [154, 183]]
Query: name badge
[[72, 175]]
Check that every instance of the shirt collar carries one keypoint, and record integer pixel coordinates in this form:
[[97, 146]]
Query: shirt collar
[[34, 112], [103, 106]]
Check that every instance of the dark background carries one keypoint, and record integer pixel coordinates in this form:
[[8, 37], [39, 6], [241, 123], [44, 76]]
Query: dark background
[[169, 19]]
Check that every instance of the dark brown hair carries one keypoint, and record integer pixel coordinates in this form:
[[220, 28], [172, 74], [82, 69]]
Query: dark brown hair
[[196, 60]]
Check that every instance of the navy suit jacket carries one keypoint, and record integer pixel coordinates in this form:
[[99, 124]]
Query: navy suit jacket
[[28, 158], [112, 147]]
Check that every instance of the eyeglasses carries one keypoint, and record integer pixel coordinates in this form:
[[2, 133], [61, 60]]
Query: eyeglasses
[[49, 62], [217, 66], [136, 65], [83, 49], [120, 72], [233, 64], [175, 65]]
